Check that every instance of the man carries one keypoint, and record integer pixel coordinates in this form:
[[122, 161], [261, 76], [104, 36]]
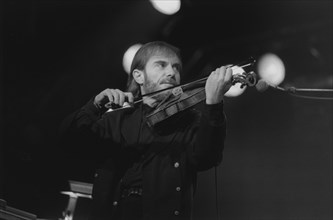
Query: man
[[151, 170]]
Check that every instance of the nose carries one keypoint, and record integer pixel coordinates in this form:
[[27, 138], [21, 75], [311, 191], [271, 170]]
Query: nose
[[170, 71]]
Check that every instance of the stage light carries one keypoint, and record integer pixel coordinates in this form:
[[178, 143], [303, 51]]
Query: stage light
[[167, 7], [129, 55], [236, 89], [271, 68]]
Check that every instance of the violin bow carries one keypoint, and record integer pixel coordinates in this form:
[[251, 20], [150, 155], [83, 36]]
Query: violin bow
[[250, 62], [243, 78]]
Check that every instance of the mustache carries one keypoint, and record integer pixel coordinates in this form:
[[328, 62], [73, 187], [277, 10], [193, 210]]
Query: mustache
[[169, 81]]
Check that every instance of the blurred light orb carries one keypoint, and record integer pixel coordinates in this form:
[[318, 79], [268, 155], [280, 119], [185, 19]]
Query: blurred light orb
[[167, 7], [271, 69], [236, 89], [129, 55]]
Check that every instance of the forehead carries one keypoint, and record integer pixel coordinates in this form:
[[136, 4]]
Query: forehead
[[164, 56]]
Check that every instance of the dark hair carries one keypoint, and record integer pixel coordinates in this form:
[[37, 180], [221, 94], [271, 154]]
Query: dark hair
[[141, 58]]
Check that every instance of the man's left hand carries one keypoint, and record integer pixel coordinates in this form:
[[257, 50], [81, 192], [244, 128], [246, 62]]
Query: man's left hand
[[217, 84]]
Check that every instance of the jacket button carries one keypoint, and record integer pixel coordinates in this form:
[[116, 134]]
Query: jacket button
[[178, 189], [176, 212], [176, 165]]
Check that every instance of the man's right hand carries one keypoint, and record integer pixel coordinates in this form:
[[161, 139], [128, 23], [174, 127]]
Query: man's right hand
[[113, 96]]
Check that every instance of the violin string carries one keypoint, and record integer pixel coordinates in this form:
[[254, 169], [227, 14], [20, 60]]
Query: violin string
[[152, 94]]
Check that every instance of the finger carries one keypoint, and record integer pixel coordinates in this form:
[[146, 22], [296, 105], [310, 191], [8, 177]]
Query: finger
[[213, 72], [115, 96], [129, 96], [217, 71], [121, 96], [222, 73], [228, 74], [108, 94], [222, 69]]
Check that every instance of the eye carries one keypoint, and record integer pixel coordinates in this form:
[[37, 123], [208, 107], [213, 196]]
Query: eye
[[177, 67], [162, 64]]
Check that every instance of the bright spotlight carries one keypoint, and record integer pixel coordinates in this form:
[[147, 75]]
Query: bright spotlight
[[236, 89], [129, 55], [167, 7], [271, 69]]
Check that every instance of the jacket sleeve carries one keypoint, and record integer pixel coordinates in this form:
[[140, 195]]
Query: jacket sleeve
[[210, 133], [90, 120]]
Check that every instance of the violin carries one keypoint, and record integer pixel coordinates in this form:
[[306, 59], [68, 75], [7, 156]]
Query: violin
[[187, 95]]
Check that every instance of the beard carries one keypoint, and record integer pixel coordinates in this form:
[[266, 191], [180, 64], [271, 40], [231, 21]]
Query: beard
[[150, 87]]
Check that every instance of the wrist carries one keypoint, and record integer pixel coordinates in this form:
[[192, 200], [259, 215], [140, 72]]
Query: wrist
[[211, 101]]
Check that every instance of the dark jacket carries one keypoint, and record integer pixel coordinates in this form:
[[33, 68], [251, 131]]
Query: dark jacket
[[174, 151]]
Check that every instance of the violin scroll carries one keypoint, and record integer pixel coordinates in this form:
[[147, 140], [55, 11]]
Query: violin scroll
[[245, 79]]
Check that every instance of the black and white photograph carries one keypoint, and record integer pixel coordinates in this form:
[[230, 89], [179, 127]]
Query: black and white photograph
[[166, 109]]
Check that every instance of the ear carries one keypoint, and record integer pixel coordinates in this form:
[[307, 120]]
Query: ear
[[138, 76]]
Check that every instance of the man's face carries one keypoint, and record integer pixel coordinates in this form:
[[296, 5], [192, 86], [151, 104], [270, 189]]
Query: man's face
[[161, 71]]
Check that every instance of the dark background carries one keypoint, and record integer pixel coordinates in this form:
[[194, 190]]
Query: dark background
[[57, 54]]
